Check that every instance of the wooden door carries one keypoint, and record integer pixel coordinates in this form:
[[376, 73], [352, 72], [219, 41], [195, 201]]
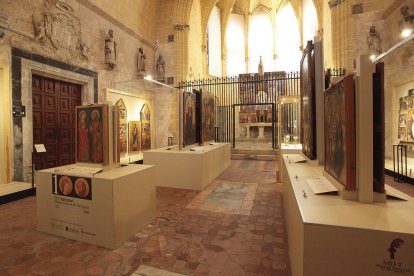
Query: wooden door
[[54, 105]]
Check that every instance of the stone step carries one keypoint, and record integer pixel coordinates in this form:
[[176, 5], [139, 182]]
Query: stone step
[[254, 151], [260, 157]]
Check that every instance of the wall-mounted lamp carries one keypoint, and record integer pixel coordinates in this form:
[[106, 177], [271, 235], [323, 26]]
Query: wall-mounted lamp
[[407, 24], [150, 79], [181, 27]]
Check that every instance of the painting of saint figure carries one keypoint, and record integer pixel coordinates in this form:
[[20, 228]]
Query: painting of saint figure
[[208, 116], [340, 132], [92, 134], [134, 135], [123, 131], [145, 128], [189, 119], [406, 117]]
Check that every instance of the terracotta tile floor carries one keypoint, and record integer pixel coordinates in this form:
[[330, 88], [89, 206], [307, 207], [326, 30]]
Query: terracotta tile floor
[[234, 227]]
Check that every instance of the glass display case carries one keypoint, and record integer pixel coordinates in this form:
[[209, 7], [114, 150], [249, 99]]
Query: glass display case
[[289, 122]]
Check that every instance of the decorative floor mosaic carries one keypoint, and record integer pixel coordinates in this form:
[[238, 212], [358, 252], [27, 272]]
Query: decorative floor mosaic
[[189, 241], [226, 197]]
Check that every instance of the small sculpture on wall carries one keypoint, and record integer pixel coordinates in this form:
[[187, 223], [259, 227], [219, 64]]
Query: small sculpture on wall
[[110, 49], [374, 42], [160, 69], [141, 62]]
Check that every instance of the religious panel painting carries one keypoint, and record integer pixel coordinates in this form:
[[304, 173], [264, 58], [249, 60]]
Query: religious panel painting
[[145, 128], [134, 135], [406, 117], [307, 99], [92, 134], [340, 153], [255, 91], [123, 130], [208, 116], [189, 119]]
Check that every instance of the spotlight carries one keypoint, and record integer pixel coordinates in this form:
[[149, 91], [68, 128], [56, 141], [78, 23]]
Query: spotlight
[[406, 32]]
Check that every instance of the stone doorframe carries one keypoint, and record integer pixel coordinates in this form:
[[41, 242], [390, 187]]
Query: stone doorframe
[[29, 68]]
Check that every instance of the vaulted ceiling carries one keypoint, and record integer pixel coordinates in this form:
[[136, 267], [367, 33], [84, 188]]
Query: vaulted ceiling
[[248, 6]]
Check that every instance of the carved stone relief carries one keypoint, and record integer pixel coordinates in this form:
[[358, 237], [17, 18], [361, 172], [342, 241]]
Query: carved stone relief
[[58, 32]]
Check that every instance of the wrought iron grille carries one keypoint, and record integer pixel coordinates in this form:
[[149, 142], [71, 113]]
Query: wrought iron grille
[[243, 91], [249, 89]]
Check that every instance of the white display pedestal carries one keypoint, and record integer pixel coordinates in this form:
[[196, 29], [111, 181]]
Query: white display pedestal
[[331, 236], [187, 169], [121, 203]]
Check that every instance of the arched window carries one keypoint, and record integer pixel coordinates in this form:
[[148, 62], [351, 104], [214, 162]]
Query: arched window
[[261, 42], [214, 43], [236, 63], [310, 21], [287, 40]]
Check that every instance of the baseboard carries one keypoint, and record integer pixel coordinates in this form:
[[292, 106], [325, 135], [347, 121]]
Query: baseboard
[[18, 195], [404, 179]]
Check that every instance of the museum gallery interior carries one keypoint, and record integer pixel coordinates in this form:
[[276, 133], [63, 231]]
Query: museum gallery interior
[[207, 137]]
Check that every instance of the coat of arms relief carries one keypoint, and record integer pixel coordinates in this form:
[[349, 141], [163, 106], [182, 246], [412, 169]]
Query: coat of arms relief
[[57, 31]]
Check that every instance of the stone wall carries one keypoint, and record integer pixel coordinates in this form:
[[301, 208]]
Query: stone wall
[[348, 40], [74, 43]]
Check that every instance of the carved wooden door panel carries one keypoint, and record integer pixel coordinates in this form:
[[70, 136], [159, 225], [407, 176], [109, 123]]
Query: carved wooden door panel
[[54, 120]]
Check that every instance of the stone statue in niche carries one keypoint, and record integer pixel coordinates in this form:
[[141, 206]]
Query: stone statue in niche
[[57, 31], [110, 50], [141, 62], [160, 69], [406, 14], [374, 41]]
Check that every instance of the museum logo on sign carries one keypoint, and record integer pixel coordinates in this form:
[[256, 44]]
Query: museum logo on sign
[[392, 263]]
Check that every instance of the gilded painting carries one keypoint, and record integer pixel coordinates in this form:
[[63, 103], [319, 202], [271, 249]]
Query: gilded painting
[[92, 134], [134, 135], [307, 99], [123, 130], [254, 92], [189, 119], [208, 116], [340, 154], [145, 128], [406, 117]]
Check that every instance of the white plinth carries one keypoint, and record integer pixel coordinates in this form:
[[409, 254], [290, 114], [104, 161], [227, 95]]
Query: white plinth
[[261, 132], [260, 126], [187, 169], [122, 203], [331, 236]]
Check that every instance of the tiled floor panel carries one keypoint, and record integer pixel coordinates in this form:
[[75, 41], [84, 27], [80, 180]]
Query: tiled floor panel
[[234, 227]]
